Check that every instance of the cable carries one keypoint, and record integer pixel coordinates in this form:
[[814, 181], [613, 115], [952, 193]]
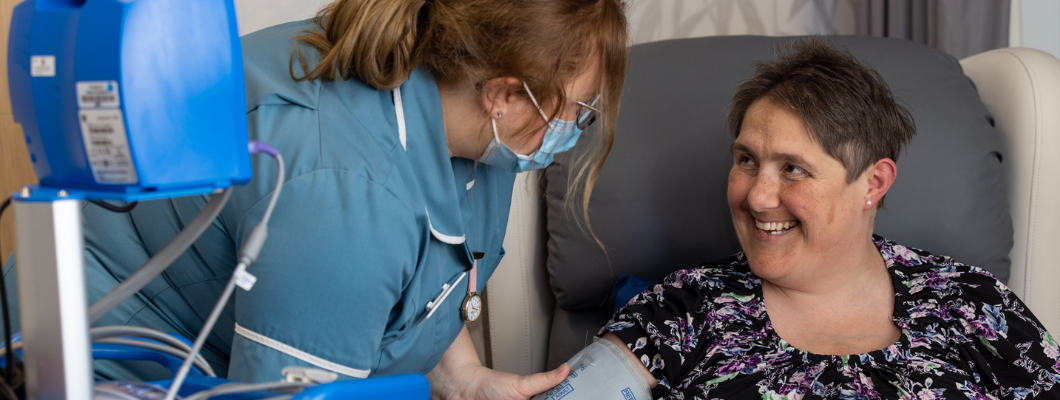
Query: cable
[[248, 253], [8, 392], [206, 328], [9, 354], [118, 209], [162, 259], [106, 332], [201, 364], [245, 388], [258, 147], [284, 397], [170, 345]]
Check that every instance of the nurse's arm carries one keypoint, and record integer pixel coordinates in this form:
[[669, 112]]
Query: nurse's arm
[[460, 375], [625, 349]]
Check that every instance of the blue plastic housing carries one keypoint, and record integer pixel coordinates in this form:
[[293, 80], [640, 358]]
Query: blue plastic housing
[[167, 72], [395, 387]]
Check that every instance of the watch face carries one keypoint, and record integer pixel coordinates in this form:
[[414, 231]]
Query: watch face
[[472, 307]]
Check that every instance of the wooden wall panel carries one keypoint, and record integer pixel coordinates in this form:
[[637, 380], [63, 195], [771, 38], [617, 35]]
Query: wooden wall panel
[[15, 171], [15, 167], [6, 6]]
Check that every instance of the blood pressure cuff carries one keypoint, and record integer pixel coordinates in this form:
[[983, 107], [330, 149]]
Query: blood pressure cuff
[[601, 371]]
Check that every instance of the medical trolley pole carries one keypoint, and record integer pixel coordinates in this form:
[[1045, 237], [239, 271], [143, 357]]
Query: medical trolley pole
[[52, 298]]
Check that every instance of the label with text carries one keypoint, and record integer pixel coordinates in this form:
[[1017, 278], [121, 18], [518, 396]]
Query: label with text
[[42, 66], [98, 94], [103, 132]]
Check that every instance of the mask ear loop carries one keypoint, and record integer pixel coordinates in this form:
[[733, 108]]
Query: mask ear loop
[[534, 100], [497, 139], [495, 136], [538, 106], [493, 145]]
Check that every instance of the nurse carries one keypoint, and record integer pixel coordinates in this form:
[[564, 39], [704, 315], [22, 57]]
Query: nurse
[[404, 124]]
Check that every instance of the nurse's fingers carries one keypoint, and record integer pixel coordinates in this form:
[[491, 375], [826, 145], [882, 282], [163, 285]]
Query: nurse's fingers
[[534, 384]]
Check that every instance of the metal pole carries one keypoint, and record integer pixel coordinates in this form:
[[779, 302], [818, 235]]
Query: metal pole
[[53, 300]]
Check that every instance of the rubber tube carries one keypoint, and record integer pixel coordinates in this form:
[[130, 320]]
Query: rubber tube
[[161, 260]]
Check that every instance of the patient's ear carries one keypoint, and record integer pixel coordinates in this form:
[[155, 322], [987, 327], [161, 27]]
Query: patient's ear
[[881, 176]]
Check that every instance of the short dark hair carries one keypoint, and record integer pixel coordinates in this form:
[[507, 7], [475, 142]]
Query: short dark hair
[[845, 104]]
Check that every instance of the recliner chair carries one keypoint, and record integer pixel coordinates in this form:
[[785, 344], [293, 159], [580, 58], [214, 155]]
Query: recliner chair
[[981, 182]]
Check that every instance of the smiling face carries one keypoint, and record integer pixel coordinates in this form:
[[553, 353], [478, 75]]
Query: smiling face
[[791, 205]]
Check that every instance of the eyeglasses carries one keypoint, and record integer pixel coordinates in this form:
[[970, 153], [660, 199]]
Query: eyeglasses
[[586, 112], [585, 116]]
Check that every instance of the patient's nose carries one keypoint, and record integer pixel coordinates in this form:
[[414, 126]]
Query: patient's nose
[[764, 193]]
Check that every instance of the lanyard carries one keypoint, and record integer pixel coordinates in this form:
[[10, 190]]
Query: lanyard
[[471, 307]]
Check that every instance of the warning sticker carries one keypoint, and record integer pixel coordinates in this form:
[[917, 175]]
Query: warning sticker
[[43, 66], [98, 94], [107, 146]]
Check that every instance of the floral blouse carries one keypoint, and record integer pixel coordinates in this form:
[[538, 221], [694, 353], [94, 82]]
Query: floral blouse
[[704, 334]]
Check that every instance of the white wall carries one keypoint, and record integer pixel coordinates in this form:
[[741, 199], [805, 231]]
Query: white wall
[[257, 14], [650, 20], [1038, 25]]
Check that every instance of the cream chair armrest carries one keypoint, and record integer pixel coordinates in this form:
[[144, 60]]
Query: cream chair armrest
[[519, 300], [1021, 89]]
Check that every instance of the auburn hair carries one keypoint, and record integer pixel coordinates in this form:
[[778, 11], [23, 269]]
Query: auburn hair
[[546, 43]]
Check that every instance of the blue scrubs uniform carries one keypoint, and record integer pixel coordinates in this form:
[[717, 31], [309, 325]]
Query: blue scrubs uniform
[[367, 230]]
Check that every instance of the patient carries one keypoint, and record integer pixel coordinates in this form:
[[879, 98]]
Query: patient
[[816, 306]]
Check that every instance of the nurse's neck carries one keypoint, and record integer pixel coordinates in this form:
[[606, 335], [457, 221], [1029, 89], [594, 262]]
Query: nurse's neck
[[467, 125]]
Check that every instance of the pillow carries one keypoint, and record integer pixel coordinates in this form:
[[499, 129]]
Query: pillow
[[626, 287], [660, 202]]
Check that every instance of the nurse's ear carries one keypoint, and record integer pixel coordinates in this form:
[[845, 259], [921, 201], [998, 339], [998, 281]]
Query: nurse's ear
[[497, 95]]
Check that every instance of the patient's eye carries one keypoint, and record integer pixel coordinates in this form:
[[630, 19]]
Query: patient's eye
[[794, 171], [745, 160]]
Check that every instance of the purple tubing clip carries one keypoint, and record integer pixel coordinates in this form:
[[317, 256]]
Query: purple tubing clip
[[256, 147]]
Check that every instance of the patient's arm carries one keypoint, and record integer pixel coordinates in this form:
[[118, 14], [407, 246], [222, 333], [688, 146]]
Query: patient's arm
[[625, 349]]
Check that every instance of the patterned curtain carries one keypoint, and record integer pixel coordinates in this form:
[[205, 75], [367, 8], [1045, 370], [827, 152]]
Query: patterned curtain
[[959, 27]]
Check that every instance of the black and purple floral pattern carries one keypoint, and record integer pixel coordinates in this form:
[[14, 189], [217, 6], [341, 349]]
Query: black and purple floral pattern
[[704, 334]]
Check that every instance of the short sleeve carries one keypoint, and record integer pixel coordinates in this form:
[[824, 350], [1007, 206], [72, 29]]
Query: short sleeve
[[662, 325], [1016, 349], [341, 250]]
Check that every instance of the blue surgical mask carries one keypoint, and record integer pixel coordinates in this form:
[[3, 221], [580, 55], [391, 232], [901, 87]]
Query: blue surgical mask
[[560, 136], [501, 156]]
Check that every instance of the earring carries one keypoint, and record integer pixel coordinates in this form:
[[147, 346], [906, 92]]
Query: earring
[[869, 202], [500, 114]]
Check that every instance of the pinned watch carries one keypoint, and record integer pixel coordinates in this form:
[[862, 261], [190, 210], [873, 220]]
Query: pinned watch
[[471, 308]]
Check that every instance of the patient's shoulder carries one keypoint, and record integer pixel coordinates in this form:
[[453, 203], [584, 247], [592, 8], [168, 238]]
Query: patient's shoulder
[[921, 270], [725, 274]]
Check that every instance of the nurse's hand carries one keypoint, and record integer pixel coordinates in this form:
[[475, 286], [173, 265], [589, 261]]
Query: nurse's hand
[[459, 375]]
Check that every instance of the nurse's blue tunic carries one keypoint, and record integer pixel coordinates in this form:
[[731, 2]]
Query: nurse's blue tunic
[[366, 232]]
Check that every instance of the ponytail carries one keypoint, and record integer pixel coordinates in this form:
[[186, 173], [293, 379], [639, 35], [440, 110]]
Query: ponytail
[[546, 43], [376, 41]]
